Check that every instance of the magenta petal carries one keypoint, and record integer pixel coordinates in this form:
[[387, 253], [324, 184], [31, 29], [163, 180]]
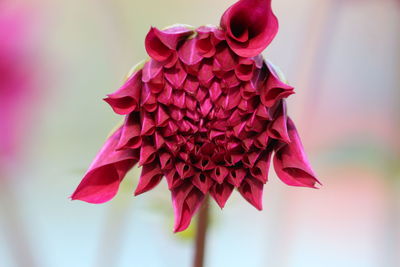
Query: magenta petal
[[189, 53], [236, 176], [221, 193], [202, 182], [186, 200], [219, 174], [148, 124], [150, 177], [100, 184], [176, 76], [170, 37], [127, 98], [275, 90], [252, 190], [147, 153], [291, 164], [261, 168], [130, 137], [278, 128], [250, 26], [155, 47], [151, 69]]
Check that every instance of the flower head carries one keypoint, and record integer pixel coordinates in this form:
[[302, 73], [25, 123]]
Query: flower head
[[207, 113]]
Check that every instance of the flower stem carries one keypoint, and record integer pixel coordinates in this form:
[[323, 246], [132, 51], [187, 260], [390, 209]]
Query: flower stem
[[201, 234]]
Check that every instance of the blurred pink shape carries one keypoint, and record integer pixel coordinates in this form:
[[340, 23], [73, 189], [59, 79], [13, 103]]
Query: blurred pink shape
[[16, 80]]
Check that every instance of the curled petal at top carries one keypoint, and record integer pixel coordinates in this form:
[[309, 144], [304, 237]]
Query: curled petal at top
[[161, 44], [126, 99], [291, 163], [101, 182], [250, 26]]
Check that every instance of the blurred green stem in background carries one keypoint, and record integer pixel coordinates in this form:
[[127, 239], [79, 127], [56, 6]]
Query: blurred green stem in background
[[201, 234], [14, 229]]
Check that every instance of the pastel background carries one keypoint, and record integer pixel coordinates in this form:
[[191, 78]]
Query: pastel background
[[342, 57]]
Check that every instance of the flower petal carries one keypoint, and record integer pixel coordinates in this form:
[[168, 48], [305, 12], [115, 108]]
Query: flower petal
[[290, 162], [100, 184], [127, 98], [250, 26], [251, 190], [186, 200]]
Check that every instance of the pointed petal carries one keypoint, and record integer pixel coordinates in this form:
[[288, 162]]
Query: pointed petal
[[186, 200], [100, 184], [278, 128], [252, 190], [221, 193], [150, 177], [188, 53], [130, 136], [127, 98], [291, 164]]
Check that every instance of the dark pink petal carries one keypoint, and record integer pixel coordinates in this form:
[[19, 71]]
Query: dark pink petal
[[100, 184], [148, 124], [161, 117], [219, 173], [165, 97], [173, 35], [236, 176], [147, 153], [151, 69], [186, 200], [166, 160], [191, 85], [188, 53], [275, 89], [150, 177], [176, 76], [155, 47], [127, 98], [130, 136], [261, 168], [221, 193], [226, 58], [250, 26], [252, 190], [148, 100], [205, 74], [245, 70], [202, 182], [215, 91], [291, 164], [278, 128]]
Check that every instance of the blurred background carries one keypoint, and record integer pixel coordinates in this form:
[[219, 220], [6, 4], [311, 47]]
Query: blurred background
[[342, 57]]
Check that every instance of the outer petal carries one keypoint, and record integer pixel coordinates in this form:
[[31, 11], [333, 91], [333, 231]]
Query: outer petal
[[252, 190], [275, 89], [291, 164], [150, 177], [221, 193], [100, 184], [278, 128], [186, 200], [127, 98], [250, 26]]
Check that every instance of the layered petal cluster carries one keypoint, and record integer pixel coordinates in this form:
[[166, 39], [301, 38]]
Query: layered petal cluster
[[207, 113]]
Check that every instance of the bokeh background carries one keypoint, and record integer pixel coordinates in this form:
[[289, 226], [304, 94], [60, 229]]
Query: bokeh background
[[343, 57]]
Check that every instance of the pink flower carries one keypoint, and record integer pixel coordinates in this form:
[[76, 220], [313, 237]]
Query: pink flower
[[207, 113], [16, 81]]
